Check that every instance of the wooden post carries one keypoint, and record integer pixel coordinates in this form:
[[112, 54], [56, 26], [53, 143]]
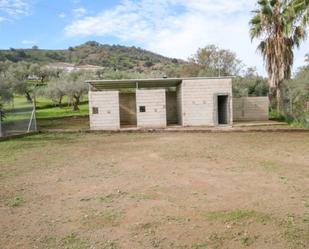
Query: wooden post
[[34, 112], [33, 116]]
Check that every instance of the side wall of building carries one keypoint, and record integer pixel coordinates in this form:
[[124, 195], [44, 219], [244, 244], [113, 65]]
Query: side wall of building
[[154, 104], [251, 109], [179, 104], [199, 100], [106, 104]]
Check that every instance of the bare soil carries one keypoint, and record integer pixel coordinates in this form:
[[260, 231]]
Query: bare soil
[[161, 190]]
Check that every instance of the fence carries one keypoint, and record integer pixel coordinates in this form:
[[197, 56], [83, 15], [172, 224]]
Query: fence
[[17, 117], [296, 110], [251, 109]]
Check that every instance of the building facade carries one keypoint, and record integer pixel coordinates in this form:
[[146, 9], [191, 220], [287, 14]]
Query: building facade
[[159, 103]]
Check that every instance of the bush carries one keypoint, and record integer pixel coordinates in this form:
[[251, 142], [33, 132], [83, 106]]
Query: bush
[[2, 113], [302, 122]]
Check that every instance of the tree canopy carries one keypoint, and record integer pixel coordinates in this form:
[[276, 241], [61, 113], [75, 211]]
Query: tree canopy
[[213, 61], [281, 26]]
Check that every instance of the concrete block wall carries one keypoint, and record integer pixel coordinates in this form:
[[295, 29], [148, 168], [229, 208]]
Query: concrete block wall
[[155, 104], [198, 100], [179, 104], [107, 103], [251, 109]]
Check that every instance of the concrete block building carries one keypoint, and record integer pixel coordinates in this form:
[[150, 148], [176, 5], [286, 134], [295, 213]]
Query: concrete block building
[[159, 103]]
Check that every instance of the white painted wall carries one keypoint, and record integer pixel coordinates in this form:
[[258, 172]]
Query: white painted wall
[[198, 100], [108, 117], [155, 103]]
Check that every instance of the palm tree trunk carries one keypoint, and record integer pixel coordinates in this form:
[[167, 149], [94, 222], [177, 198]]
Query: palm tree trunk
[[279, 97]]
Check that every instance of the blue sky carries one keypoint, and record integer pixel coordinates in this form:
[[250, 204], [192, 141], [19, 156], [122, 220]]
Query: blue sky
[[175, 28]]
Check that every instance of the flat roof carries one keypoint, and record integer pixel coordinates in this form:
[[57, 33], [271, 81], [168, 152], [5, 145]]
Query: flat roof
[[155, 82]]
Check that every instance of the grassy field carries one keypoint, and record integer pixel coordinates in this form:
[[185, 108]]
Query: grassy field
[[46, 109], [182, 191]]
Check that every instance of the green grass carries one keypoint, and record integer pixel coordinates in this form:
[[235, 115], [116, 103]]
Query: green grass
[[15, 202], [45, 108], [109, 198], [235, 215], [302, 123], [74, 241], [247, 239], [295, 229], [57, 112], [110, 245], [70, 241], [176, 219], [107, 218], [269, 166]]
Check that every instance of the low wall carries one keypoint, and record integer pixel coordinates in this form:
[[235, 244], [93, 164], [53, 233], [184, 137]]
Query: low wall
[[251, 109]]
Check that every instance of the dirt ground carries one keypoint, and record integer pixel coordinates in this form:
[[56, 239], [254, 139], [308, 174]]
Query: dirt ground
[[160, 190]]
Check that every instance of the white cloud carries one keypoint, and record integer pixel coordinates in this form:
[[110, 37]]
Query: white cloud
[[28, 42], [14, 8], [2, 19], [79, 12], [62, 15], [177, 28]]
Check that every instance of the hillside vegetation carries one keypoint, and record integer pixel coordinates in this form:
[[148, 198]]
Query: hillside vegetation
[[112, 56]]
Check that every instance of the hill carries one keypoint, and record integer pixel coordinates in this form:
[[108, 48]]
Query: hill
[[111, 56]]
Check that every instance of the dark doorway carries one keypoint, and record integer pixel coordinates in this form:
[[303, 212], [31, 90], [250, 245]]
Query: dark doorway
[[223, 110], [127, 106], [171, 108]]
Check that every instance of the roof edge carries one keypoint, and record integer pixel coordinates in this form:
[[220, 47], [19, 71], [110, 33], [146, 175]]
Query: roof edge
[[156, 79]]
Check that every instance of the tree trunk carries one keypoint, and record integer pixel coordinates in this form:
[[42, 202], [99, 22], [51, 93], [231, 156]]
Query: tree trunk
[[76, 102], [279, 98], [28, 97], [60, 101], [272, 98]]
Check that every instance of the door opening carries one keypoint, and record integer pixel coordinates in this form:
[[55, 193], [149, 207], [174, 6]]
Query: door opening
[[223, 110], [171, 108], [127, 106]]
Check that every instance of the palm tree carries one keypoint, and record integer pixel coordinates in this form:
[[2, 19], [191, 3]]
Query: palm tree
[[280, 25]]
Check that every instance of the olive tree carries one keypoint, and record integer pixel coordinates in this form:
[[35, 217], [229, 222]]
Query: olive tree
[[297, 94], [250, 84], [43, 73], [19, 75], [213, 61], [6, 94], [75, 86], [55, 90]]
